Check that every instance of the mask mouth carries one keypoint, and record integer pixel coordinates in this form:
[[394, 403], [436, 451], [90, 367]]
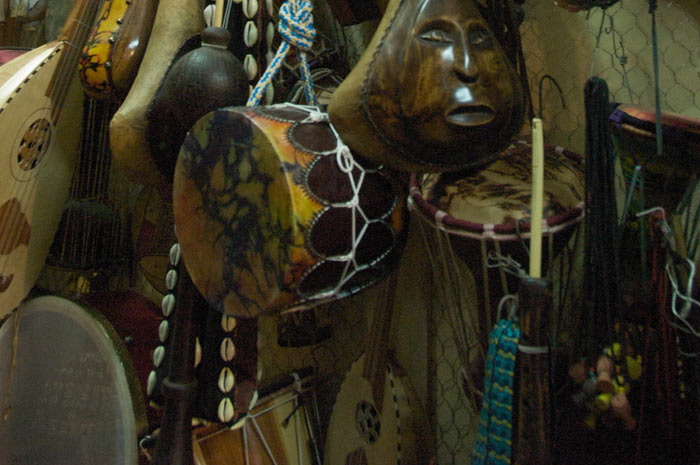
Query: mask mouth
[[470, 115]]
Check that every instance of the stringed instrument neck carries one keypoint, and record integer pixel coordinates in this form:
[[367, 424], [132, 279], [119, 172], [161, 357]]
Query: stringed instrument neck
[[374, 369], [74, 34]]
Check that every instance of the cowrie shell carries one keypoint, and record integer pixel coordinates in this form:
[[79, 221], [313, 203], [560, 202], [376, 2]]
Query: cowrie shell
[[158, 356], [163, 330], [226, 380], [250, 34], [228, 323], [269, 35], [152, 381], [225, 411], [269, 94], [250, 8], [208, 14], [168, 304], [197, 353], [239, 423], [254, 400], [251, 66], [270, 6], [171, 279], [174, 254], [227, 350]]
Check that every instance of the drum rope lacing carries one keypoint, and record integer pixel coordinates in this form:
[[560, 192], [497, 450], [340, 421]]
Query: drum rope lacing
[[347, 164], [296, 26]]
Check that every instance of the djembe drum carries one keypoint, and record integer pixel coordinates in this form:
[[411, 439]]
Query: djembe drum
[[484, 212]]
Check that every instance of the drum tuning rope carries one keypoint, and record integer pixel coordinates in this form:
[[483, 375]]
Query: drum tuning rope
[[296, 26]]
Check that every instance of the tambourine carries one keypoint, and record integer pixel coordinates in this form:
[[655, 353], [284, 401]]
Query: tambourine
[[667, 177], [273, 212], [69, 389]]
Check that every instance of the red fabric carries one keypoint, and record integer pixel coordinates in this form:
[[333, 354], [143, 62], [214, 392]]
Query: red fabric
[[10, 54], [136, 320]]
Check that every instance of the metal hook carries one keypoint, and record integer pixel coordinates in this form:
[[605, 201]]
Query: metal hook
[[561, 93]]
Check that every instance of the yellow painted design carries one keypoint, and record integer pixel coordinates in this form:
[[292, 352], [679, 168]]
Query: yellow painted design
[[93, 70]]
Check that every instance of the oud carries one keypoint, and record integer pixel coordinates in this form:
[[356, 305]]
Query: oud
[[376, 419], [40, 108]]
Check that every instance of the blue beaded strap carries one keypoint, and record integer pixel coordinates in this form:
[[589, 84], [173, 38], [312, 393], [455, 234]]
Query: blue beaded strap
[[493, 440], [296, 26]]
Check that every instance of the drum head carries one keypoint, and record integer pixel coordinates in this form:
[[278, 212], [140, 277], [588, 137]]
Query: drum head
[[497, 197], [65, 388]]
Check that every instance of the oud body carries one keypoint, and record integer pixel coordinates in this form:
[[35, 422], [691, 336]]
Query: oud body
[[381, 426], [37, 156]]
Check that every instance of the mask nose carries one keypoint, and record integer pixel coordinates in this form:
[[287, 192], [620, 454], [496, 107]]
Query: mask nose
[[465, 66]]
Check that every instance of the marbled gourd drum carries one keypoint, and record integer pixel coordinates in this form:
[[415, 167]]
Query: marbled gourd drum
[[273, 212]]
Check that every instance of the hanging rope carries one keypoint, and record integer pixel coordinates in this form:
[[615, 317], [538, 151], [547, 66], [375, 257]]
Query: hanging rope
[[296, 26]]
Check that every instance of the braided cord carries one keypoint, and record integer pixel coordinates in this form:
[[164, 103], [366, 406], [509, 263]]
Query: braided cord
[[296, 26], [494, 437]]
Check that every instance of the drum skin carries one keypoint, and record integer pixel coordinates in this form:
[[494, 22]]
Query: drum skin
[[499, 194], [74, 397], [264, 217]]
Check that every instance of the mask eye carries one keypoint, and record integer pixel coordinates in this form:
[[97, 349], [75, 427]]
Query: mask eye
[[437, 36], [480, 37]]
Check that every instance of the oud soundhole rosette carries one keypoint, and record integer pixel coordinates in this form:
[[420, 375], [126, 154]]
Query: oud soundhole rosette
[[34, 144], [367, 422]]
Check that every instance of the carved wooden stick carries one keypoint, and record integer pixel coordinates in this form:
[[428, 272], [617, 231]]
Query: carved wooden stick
[[532, 441], [180, 387]]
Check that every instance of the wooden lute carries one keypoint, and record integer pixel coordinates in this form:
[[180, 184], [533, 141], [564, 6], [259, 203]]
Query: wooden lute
[[376, 419], [40, 105]]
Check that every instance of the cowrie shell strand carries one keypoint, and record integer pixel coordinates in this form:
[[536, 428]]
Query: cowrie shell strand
[[250, 34]]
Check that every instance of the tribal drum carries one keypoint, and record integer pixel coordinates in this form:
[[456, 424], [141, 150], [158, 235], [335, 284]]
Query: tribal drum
[[281, 428], [273, 212], [487, 211]]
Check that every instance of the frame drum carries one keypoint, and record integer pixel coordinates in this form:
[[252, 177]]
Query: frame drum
[[70, 394], [281, 430]]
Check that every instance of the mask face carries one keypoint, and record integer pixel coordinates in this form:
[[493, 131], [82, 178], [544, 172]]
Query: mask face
[[440, 88]]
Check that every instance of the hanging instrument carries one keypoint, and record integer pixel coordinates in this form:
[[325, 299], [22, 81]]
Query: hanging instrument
[[376, 418], [176, 21], [113, 53], [71, 394], [40, 100], [273, 213]]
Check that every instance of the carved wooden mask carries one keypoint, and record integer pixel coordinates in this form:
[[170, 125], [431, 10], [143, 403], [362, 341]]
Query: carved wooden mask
[[439, 91]]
